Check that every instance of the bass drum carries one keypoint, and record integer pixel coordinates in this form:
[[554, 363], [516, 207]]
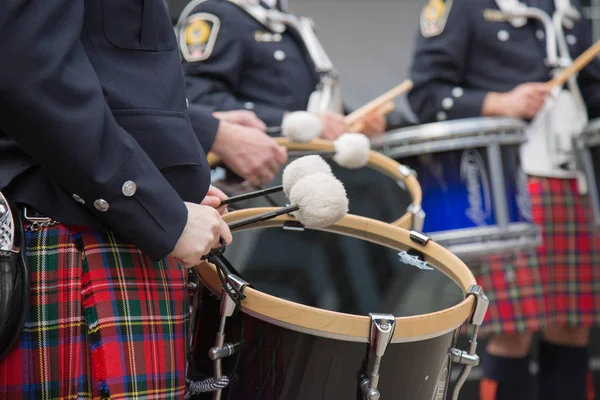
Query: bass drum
[[311, 327], [383, 190]]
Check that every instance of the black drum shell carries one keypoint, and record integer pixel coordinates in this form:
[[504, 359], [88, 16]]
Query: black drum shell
[[277, 363]]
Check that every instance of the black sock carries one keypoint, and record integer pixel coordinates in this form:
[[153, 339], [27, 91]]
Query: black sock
[[563, 372], [508, 378]]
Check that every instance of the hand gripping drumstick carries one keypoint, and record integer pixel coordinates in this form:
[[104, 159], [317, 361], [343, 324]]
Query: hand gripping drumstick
[[578, 64], [352, 151], [374, 104], [383, 110]]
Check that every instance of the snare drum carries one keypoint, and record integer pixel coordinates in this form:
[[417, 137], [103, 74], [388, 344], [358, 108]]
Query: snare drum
[[475, 191], [384, 190], [588, 151], [321, 327]]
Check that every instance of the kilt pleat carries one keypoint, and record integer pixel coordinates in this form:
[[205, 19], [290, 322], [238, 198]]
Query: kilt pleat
[[559, 282], [104, 322]]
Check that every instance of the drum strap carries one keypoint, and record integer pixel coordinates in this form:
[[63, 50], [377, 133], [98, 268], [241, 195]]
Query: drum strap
[[206, 385]]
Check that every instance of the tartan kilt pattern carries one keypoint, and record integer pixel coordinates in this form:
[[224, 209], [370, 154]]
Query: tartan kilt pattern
[[559, 282], [104, 322]]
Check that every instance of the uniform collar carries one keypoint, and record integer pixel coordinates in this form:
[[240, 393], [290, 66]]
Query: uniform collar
[[278, 4]]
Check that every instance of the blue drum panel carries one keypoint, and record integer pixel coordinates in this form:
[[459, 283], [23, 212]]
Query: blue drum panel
[[457, 190], [516, 192]]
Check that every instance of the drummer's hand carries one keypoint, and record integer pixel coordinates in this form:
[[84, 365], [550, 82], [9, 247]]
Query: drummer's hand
[[213, 199], [241, 117], [373, 124], [524, 101], [332, 125], [250, 153], [202, 231]]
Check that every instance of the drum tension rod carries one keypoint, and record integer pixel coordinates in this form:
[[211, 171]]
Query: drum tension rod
[[469, 359], [382, 330], [418, 217], [222, 349]]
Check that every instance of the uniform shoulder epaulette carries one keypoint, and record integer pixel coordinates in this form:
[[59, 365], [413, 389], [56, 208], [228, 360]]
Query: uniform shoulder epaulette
[[434, 16]]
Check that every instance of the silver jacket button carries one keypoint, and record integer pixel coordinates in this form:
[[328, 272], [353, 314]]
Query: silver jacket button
[[279, 55], [101, 205], [78, 199], [503, 35], [129, 188]]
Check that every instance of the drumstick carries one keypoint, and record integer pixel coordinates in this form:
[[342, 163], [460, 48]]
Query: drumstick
[[263, 217], [578, 64], [390, 95], [383, 111], [251, 195]]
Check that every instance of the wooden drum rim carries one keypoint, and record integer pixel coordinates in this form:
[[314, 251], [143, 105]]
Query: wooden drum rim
[[377, 161], [349, 327]]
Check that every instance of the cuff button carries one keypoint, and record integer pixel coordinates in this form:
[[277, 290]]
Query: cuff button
[[129, 188], [101, 205]]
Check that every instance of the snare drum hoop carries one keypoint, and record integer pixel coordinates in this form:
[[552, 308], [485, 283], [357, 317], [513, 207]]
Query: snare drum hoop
[[349, 327], [591, 133], [377, 161], [454, 135]]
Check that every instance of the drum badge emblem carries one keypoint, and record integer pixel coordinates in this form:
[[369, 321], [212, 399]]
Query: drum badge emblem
[[439, 391], [523, 199], [474, 174], [414, 261]]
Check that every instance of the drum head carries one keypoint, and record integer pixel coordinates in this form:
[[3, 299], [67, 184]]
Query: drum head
[[340, 273]]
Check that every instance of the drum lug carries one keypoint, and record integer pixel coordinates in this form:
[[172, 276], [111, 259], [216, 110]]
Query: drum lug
[[227, 303], [418, 217], [463, 358], [481, 304], [419, 238], [470, 359], [227, 350], [382, 331], [406, 171]]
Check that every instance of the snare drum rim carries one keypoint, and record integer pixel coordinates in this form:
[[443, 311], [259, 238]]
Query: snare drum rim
[[452, 130], [377, 161], [349, 327], [591, 133]]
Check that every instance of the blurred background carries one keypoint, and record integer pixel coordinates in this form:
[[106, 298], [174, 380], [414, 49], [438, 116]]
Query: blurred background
[[371, 43]]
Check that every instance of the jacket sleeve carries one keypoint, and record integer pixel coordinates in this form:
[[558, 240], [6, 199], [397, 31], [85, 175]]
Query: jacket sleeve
[[213, 80], [438, 71], [589, 77], [205, 125], [53, 107]]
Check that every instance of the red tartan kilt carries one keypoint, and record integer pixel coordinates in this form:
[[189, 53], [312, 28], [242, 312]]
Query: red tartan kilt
[[104, 321], [559, 282]]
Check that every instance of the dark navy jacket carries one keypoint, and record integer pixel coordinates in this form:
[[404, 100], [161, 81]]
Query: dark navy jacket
[[268, 77], [94, 127], [453, 72]]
